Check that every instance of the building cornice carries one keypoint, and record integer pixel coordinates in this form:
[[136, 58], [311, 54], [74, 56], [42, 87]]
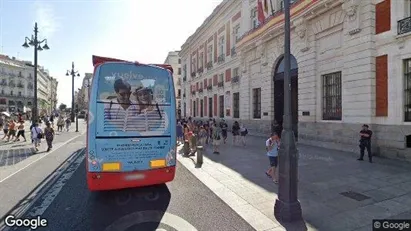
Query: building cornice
[[219, 12], [304, 11]]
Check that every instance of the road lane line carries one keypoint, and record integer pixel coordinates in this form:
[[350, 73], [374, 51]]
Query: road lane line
[[41, 157], [51, 194]]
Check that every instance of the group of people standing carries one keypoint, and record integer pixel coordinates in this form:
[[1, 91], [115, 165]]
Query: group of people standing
[[14, 128], [209, 132]]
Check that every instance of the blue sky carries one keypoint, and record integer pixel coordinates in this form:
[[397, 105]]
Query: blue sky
[[141, 30]]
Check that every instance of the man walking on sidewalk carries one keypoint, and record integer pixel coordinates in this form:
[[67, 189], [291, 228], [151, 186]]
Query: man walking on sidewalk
[[365, 142]]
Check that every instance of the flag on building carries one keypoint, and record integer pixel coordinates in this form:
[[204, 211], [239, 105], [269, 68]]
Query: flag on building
[[260, 12]]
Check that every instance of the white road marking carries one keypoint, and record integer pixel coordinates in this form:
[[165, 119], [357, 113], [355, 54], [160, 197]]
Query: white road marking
[[141, 217], [52, 193], [41, 157]]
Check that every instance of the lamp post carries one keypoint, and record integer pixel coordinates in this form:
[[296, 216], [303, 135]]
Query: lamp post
[[287, 207], [34, 42], [73, 74]]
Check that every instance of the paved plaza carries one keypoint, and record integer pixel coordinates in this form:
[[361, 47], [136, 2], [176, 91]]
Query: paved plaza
[[336, 191]]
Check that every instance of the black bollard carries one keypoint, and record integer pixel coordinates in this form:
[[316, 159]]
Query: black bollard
[[199, 161], [193, 145], [186, 148]]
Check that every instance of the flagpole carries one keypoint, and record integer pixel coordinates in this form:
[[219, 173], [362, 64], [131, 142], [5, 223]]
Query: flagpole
[[272, 8]]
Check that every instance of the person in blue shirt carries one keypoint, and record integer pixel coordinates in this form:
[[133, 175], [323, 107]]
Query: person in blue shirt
[[272, 145]]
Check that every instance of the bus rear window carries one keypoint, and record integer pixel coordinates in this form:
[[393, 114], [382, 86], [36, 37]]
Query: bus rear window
[[126, 83]]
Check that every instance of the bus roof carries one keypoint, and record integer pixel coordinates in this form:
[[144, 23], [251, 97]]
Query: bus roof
[[97, 60]]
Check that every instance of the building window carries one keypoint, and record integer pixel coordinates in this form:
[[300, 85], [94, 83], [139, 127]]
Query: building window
[[407, 90], [179, 61], [332, 109], [194, 108], [210, 107], [236, 72], [201, 60], [201, 108], [254, 18], [11, 92], [19, 93], [257, 103], [178, 93], [221, 46], [210, 53], [221, 105], [236, 34], [179, 71], [193, 65], [236, 105]]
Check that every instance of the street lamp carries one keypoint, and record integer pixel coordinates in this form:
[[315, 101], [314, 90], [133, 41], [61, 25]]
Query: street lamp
[[287, 207], [73, 74], [34, 42]]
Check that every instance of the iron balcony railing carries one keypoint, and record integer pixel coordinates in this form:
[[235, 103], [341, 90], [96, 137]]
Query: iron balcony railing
[[404, 26]]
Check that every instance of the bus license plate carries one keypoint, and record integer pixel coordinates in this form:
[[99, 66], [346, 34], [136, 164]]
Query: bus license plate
[[135, 177]]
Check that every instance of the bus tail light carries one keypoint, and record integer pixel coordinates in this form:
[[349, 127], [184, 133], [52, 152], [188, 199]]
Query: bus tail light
[[158, 163], [107, 167]]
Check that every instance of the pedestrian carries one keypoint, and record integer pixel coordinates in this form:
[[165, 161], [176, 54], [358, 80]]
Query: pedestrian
[[216, 138], [224, 132], [365, 142], [68, 123], [49, 134], [5, 128], [236, 132], [243, 133], [37, 135], [272, 146], [60, 123], [12, 130], [180, 134], [20, 132]]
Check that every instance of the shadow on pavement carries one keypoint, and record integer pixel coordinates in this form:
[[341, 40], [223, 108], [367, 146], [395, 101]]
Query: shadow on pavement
[[130, 209], [14, 156]]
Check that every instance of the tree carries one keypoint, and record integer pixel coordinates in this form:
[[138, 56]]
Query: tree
[[62, 107]]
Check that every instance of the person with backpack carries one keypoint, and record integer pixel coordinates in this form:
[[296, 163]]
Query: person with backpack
[[37, 135]]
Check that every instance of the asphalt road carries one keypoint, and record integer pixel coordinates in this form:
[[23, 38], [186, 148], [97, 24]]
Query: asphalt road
[[184, 204]]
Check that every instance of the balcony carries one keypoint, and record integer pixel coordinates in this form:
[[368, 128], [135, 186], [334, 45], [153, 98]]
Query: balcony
[[209, 88], [220, 84], [193, 74], [209, 65], [200, 70], [233, 51], [20, 85], [193, 92], [178, 97], [200, 90], [221, 58], [235, 79], [404, 26]]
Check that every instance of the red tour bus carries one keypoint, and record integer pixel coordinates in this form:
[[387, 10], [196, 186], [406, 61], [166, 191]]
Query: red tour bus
[[131, 130]]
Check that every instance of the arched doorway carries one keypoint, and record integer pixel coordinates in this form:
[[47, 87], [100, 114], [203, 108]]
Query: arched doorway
[[279, 92]]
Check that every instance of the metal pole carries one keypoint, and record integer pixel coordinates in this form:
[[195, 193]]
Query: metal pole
[[72, 91], [287, 207], [35, 109], [76, 121], [199, 156]]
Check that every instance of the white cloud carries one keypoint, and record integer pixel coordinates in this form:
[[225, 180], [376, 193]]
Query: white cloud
[[46, 19]]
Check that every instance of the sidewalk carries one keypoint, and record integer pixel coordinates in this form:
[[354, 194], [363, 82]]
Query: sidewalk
[[379, 190], [15, 155]]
